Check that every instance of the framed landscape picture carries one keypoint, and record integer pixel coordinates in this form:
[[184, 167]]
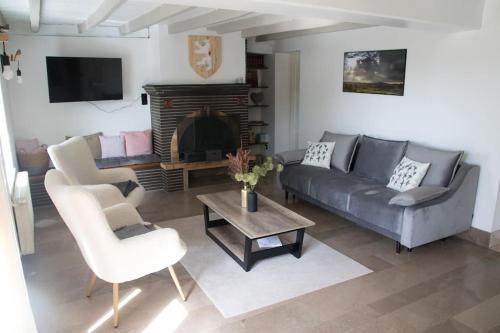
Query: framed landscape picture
[[375, 72]]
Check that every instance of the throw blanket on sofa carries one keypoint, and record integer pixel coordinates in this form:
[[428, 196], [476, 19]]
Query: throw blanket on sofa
[[126, 187]]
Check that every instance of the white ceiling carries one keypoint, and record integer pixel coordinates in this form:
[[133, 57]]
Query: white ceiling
[[251, 17]]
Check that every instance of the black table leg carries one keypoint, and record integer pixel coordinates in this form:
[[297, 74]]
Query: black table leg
[[298, 243], [206, 216], [247, 258]]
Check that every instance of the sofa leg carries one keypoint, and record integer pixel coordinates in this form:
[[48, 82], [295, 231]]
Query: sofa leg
[[409, 249], [398, 247], [286, 195]]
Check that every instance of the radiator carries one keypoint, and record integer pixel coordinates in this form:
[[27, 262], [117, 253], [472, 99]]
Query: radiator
[[23, 212]]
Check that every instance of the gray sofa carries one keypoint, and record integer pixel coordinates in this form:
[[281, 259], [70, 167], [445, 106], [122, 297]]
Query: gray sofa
[[355, 188]]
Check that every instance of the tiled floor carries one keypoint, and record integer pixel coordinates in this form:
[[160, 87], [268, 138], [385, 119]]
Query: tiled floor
[[451, 286]]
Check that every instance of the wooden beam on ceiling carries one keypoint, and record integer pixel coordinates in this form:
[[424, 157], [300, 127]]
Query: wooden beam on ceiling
[[105, 9], [296, 24], [314, 31], [436, 15], [213, 17], [35, 7], [247, 23], [158, 14]]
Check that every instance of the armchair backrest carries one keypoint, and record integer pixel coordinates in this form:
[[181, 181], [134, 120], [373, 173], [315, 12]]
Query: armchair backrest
[[74, 159], [83, 215]]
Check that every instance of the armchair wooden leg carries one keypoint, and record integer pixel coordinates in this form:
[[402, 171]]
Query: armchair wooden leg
[[91, 284], [174, 277], [116, 297]]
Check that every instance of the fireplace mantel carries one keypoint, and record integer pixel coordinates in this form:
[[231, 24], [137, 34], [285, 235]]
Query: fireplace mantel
[[196, 89]]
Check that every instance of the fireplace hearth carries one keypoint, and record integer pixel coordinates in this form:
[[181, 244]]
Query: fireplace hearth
[[196, 123]]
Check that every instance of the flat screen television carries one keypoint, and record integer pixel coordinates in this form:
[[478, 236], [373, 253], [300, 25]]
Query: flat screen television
[[75, 79]]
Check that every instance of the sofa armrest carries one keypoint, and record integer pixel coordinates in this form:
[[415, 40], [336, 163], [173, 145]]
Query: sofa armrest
[[418, 195], [290, 156], [447, 215]]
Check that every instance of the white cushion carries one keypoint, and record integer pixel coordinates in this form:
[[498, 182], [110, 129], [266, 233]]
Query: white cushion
[[112, 146], [319, 154], [407, 175]]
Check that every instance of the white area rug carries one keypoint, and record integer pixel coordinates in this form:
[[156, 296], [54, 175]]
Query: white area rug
[[272, 280]]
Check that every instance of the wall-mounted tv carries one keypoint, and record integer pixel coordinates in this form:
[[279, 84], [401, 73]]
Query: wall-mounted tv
[[75, 79]]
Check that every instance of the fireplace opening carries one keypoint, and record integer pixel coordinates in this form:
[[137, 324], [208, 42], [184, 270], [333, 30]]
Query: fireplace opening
[[208, 136]]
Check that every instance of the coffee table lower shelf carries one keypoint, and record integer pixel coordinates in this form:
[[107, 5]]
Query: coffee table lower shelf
[[244, 250]]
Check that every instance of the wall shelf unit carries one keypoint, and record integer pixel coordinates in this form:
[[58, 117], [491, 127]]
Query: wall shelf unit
[[259, 103]]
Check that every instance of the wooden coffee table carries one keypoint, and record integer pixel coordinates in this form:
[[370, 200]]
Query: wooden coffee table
[[237, 231]]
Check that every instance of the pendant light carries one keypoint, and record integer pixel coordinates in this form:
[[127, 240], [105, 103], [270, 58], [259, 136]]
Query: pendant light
[[7, 72]]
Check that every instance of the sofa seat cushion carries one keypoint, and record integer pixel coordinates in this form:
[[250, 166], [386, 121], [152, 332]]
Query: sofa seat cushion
[[335, 189], [373, 205], [377, 158], [298, 177], [115, 162]]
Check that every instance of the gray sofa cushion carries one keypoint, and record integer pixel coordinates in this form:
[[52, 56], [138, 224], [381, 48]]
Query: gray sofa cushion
[[115, 162], [444, 163], [298, 177], [335, 189], [418, 195], [372, 205], [377, 158], [343, 152]]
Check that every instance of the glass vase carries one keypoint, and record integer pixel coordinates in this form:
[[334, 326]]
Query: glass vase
[[244, 193]]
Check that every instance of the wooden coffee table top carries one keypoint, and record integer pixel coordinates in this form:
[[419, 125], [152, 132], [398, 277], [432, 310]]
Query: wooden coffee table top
[[270, 219]]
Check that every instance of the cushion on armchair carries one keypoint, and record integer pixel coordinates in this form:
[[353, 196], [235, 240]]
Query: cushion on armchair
[[418, 195], [343, 153]]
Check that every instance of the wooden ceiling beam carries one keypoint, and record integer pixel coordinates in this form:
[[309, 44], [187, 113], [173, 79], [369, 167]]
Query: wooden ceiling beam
[[158, 14], [35, 7], [213, 17], [105, 9]]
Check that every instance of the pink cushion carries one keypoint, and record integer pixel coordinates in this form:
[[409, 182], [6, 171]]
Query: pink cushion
[[138, 142], [112, 146], [26, 146]]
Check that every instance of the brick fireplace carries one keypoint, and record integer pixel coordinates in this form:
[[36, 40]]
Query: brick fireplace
[[174, 109]]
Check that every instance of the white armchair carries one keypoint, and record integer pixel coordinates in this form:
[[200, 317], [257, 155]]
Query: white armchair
[[74, 159], [111, 259]]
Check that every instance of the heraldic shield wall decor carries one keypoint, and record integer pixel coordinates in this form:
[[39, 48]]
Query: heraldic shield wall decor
[[205, 54]]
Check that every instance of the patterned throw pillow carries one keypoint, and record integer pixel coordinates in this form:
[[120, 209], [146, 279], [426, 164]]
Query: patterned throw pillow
[[408, 174], [319, 154]]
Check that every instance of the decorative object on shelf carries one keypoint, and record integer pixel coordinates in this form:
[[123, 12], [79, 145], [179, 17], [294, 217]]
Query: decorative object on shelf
[[239, 169], [257, 97], [205, 54], [252, 78], [262, 138], [375, 72]]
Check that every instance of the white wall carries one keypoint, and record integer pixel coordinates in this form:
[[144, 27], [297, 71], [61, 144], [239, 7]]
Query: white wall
[[162, 58], [452, 97], [282, 105], [172, 65], [34, 116]]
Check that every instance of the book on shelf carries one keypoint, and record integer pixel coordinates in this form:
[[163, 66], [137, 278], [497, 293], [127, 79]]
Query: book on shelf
[[268, 242]]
